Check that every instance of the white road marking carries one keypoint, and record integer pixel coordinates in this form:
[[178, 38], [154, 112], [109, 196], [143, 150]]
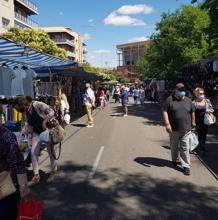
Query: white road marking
[[95, 165]]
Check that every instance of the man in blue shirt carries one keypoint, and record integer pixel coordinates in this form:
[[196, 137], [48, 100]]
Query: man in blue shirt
[[124, 100]]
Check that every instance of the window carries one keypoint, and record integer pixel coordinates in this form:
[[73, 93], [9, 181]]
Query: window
[[5, 23]]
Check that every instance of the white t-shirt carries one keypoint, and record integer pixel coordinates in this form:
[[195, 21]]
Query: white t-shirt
[[89, 94]]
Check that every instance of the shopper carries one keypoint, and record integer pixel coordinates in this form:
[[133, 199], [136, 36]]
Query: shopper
[[136, 95], [89, 102], [11, 160], [65, 109], [201, 106], [124, 100], [38, 114], [179, 119], [101, 95], [142, 95]]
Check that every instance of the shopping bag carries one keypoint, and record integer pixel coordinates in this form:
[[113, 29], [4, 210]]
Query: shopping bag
[[209, 118], [193, 141], [30, 210]]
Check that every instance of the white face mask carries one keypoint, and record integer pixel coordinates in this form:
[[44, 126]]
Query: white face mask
[[201, 97]]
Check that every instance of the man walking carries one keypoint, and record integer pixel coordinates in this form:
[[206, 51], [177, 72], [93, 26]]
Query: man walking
[[124, 100], [179, 119], [89, 102]]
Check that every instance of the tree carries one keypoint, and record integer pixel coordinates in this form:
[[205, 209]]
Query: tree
[[212, 7], [109, 74], [179, 39], [36, 39]]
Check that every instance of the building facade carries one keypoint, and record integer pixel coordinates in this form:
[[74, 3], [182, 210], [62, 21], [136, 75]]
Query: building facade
[[128, 55], [69, 40], [16, 13]]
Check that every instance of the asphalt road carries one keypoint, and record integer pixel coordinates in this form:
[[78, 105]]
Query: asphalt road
[[121, 169]]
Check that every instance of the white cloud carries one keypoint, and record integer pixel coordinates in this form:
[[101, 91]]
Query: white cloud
[[86, 36], [121, 17], [101, 51], [122, 20], [92, 57], [136, 39], [61, 13], [91, 20], [135, 9]]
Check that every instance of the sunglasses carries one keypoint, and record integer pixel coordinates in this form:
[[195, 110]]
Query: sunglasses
[[201, 93]]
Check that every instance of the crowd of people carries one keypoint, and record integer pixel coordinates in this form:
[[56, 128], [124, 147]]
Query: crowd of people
[[181, 116]]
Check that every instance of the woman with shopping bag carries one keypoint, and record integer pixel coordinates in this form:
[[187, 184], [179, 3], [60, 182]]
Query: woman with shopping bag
[[202, 107], [38, 116], [13, 179]]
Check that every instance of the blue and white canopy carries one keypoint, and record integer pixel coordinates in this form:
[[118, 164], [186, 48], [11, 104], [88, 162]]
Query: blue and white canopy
[[17, 54]]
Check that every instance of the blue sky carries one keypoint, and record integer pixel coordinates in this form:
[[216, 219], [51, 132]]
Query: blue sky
[[105, 23]]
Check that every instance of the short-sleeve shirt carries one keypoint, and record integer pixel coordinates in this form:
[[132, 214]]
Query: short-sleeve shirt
[[89, 95], [179, 112], [17, 82], [124, 97], [6, 77]]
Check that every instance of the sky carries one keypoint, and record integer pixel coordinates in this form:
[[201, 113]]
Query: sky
[[105, 23]]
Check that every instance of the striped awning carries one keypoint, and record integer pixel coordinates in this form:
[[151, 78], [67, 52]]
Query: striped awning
[[17, 54]]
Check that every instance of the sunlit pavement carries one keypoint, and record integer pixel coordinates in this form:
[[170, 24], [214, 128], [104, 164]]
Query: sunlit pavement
[[121, 169]]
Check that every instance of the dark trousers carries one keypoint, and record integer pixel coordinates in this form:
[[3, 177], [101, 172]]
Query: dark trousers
[[202, 131], [9, 207]]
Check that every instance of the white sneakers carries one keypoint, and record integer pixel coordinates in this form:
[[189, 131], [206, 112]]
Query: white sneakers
[[90, 126]]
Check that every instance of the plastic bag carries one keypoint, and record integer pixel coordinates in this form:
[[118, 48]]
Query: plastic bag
[[209, 119], [44, 136], [31, 210], [67, 119], [193, 141]]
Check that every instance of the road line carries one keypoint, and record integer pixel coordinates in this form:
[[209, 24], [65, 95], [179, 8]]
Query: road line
[[95, 165]]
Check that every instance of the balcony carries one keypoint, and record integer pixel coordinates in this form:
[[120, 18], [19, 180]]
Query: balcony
[[25, 21], [32, 8], [64, 41], [70, 54]]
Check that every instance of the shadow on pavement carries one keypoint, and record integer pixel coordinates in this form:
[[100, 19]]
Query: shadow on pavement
[[79, 125], [151, 112], [114, 195], [158, 162]]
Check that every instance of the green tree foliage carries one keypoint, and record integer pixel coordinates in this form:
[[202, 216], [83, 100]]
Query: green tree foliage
[[109, 74], [179, 39], [212, 7], [36, 39]]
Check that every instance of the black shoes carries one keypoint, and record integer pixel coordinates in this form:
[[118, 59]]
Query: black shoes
[[186, 171]]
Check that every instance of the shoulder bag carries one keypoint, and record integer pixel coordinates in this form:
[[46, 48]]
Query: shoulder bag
[[6, 185], [209, 117]]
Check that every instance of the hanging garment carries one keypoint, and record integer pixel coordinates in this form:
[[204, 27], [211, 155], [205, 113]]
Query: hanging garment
[[17, 82], [6, 77], [28, 82]]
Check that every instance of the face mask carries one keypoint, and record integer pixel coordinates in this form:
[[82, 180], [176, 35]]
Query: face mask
[[181, 94], [201, 97]]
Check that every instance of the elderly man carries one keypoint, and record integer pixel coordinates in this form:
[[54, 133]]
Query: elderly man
[[89, 102], [179, 119]]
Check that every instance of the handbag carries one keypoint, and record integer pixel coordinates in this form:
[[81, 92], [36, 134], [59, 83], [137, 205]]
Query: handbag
[[209, 118], [6, 185], [57, 134], [30, 210], [193, 141]]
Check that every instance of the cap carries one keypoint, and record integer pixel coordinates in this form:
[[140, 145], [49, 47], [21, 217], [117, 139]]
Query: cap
[[180, 86]]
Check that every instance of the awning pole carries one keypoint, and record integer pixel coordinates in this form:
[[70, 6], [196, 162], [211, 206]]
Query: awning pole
[[50, 75]]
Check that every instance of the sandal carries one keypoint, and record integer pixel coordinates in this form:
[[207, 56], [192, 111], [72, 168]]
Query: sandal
[[35, 179]]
